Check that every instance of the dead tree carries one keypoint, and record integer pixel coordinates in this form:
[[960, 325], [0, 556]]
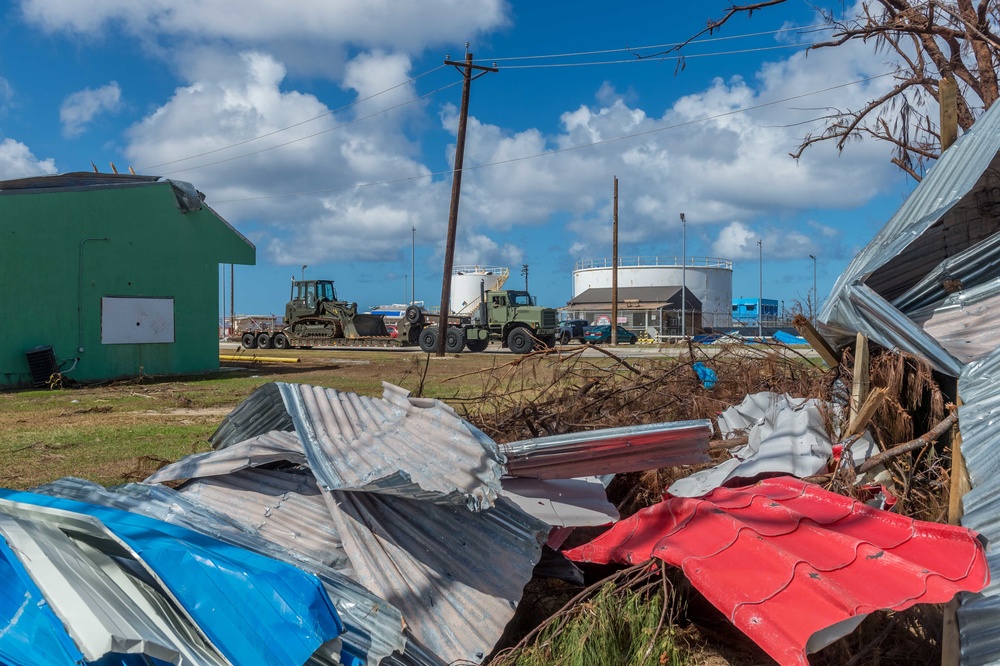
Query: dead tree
[[934, 40]]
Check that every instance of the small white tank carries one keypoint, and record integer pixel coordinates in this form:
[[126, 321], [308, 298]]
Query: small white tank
[[465, 285]]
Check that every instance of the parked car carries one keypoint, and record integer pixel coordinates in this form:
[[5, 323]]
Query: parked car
[[573, 329], [393, 331], [602, 333]]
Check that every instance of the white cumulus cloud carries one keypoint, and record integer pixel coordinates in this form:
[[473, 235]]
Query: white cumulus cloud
[[80, 108], [17, 161]]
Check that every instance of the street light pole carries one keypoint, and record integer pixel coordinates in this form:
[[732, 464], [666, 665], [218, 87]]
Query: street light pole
[[413, 254], [683, 276], [815, 305], [760, 292]]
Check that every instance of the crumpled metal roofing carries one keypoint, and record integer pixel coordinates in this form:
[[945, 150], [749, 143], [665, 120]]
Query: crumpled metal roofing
[[85, 560], [785, 436], [611, 450], [425, 558], [414, 447], [562, 502], [785, 559], [949, 213], [926, 284], [979, 414], [456, 575], [964, 324], [270, 447], [373, 628], [286, 508]]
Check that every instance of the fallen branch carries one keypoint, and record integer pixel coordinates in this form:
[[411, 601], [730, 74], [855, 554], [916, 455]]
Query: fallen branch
[[617, 358], [731, 443], [926, 439]]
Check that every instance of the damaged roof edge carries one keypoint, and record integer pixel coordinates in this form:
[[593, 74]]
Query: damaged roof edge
[[952, 177]]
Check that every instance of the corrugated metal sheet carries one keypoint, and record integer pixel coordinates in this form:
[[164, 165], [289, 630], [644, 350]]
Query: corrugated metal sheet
[[976, 265], [951, 212], [399, 445], [268, 448], [784, 559], [253, 591], [263, 411], [285, 508], [964, 324], [562, 502], [456, 575], [940, 253], [979, 416], [785, 436], [38, 636], [101, 608], [611, 450], [372, 626]]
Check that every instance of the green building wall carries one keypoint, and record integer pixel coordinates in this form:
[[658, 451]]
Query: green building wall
[[62, 251]]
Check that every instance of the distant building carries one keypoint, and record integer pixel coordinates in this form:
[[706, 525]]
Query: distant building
[[108, 275], [745, 311], [652, 310]]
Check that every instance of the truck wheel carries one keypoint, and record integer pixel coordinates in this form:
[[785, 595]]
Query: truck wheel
[[264, 341], [281, 341], [413, 314], [249, 341], [429, 340], [565, 337], [454, 341], [477, 345], [520, 341], [550, 341]]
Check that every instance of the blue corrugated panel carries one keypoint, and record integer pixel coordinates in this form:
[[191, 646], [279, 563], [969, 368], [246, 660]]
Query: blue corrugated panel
[[30, 633], [254, 609]]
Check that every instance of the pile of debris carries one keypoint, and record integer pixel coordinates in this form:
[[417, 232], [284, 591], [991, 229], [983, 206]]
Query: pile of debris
[[362, 531]]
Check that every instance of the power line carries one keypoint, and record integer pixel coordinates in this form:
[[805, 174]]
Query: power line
[[660, 58], [567, 149], [315, 134], [633, 49], [284, 129]]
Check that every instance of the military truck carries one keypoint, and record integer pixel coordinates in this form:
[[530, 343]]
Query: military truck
[[314, 316], [509, 317]]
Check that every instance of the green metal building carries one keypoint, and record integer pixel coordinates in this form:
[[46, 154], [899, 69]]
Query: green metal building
[[118, 274]]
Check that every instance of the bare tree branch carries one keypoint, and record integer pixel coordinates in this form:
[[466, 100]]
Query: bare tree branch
[[932, 40]]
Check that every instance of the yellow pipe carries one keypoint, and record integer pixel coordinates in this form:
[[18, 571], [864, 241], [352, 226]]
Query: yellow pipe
[[253, 358]]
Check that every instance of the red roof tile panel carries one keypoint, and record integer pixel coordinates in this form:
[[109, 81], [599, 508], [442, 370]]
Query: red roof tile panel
[[784, 559]]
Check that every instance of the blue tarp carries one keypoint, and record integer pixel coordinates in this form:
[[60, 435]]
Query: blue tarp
[[789, 339], [254, 609]]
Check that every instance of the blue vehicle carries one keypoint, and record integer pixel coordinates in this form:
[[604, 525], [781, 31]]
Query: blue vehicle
[[573, 329], [602, 333]]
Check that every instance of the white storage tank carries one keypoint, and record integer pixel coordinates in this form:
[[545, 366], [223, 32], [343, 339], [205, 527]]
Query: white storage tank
[[465, 285], [710, 279]]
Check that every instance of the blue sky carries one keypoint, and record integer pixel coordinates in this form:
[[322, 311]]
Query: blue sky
[[324, 130]]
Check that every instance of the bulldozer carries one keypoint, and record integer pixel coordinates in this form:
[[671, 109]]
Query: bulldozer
[[314, 316]]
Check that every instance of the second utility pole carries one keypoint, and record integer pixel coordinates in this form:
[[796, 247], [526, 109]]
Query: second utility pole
[[456, 189]]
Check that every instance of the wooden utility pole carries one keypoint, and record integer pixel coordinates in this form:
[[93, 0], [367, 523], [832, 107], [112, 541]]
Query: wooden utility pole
[[232, 300], [614, 271], [465, 68]]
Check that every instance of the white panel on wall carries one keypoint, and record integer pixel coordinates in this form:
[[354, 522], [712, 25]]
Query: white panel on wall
[[131, 321]]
